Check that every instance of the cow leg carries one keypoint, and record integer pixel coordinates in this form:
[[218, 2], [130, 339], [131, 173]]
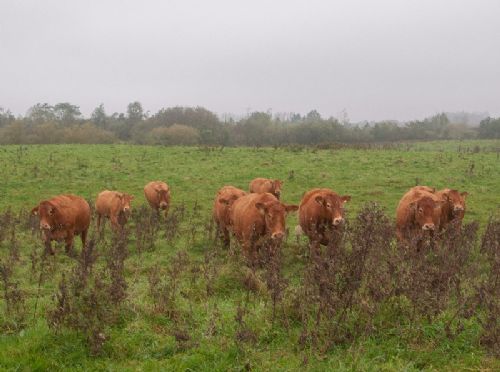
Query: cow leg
[[114, 223], [48, 247], [401, 238], [98, 222], [226, 239], [218, 231], [248, 251], [254, 255], [84, 238], [314, 249], [69, 242], [222, 233]]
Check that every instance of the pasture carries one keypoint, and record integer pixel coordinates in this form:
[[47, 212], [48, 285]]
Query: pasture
[[189, 304]]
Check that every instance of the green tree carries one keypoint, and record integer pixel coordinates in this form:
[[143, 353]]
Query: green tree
[[67, 113], [489, 128], [135, 112], [313, 116], [6, 117], [41, 113], [99, 117]]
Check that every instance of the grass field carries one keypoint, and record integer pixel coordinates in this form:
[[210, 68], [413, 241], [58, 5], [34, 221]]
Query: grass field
[[146, 339]]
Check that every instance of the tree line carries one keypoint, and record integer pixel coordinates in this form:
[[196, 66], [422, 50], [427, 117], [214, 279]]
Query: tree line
[[64, 123]]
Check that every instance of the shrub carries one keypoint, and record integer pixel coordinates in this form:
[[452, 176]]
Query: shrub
[[176, 134]]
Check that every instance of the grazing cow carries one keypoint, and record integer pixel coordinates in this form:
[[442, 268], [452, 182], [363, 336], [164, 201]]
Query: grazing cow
[[256, 218], [61, 218], [158, 196], [261, 185], [321, 211], [453, 209], [222, 204], [114, 205], [418, 211]]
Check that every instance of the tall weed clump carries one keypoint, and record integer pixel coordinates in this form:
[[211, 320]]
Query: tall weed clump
[[89, 298]]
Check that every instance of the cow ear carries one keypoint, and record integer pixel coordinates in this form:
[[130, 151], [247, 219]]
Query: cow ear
[[291, 208], [319, 199], [446, 193], [34, 211], [445, 198], [224, 201], [345, 198], [464, 194], [261, 207]]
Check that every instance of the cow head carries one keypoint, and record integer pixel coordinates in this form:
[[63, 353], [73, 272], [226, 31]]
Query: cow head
[[49, 215], [274, 214], [276, 188], [333, 207], [456, 202], [424, 210], [163, 197], [125, 200]]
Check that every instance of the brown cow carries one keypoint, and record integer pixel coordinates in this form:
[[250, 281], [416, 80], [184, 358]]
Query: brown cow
[[256, 218], [158, 196], [114, 205], [261, 185], [320, 212], [454, 207], [61, 218], [418, 211], [222, 204]]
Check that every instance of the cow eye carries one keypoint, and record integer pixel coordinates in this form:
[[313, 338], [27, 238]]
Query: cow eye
[[328, 205], [420, 210]]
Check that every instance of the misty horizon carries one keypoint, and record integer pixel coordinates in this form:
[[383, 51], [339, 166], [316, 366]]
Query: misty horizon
[[373, 61]]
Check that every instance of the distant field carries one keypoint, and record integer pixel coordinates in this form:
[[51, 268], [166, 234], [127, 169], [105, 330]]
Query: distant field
[[143, 338], [30, 173]]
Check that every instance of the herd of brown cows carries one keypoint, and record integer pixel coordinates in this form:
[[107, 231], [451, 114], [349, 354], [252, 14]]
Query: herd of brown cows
[[254, 218]]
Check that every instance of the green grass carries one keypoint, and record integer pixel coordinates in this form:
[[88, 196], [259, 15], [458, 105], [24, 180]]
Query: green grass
[[143, 340]]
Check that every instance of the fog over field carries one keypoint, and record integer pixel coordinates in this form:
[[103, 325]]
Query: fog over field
[[376, 60]]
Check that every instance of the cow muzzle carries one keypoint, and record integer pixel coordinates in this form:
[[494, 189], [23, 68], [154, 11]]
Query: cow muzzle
[[163, 205], [44, 226], [428, 226], [338, 221], [458, 208], [277, 235]]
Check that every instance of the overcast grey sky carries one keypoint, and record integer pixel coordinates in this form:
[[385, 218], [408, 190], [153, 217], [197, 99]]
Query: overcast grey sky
[[387, 59]]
